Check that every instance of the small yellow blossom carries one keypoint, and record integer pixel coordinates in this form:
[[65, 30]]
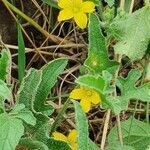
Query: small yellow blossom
[[71, 139], [75, 9], [87, 96]]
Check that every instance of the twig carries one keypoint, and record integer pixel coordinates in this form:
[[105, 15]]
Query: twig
[[119, 129], [105, 129], [122, 2], [131, 6], [33, 23]]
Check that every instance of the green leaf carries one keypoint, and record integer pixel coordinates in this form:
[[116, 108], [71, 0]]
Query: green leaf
[[17, 108], [129, 91], [97, 52], [41, 130], [5, 60], [33, 144], [11, 130], [50, 72], [19, 111], [82, 127], [110, 2], [133, 33], [5, 92], [51, 3], [118, 146], [56, 144], [111, 102], [21, 54], [92, 145], [134, 132], [26, 116], [91, 81], [28, 89], [2, 106]]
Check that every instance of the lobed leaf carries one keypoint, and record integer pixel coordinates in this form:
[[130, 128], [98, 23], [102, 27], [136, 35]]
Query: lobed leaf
[[135, 133], [129, 91], [133, 33]]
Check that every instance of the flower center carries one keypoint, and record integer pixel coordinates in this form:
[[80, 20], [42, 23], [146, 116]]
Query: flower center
[[76, 9], [89, 93]]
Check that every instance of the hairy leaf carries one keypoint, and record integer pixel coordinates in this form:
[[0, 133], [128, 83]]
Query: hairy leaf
[[32, 144], [28, 89], [91, 81], [118, 146], [129, 91], [97, 52], [82, 127], [50, 73], [134, 132], [5, 60], [26, 116], [133, 33], [11, 130], [92, 145], [57, 144], [110, 2], [5, 92]]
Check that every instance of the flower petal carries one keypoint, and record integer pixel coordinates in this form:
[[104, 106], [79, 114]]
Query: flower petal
[[65, 15], [77, 3], [88, 7], [74, 146], [95, 98], [59, 136], [85, 104], [77, 94], [65, 3], [72, 137], [81, 20]]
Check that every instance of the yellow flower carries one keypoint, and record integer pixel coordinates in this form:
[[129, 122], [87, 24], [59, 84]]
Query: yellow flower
[[71, 139], [87, 96], [75, 9]]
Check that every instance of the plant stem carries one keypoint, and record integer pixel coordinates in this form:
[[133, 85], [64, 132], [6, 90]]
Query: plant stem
[[32, 22], [59, 116]]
